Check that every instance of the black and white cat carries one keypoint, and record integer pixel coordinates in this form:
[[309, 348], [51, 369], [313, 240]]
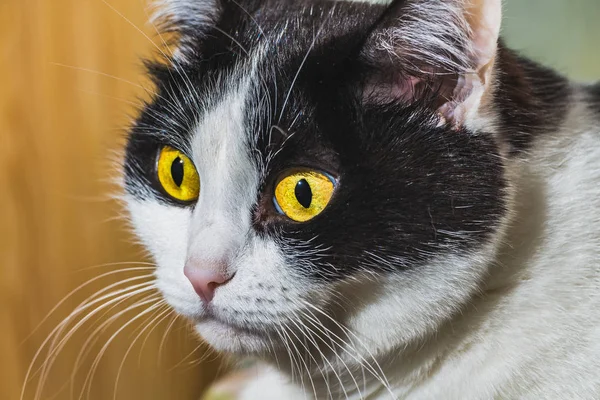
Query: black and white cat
[[380, 200]]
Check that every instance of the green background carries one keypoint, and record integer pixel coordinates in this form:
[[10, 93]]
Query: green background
[[559, 33]]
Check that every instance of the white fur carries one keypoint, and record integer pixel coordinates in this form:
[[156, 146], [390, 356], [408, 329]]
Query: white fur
[[269, 384], [184, 14], [422, 34]]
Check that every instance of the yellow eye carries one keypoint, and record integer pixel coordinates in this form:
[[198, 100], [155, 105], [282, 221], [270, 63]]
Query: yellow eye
[[177, 175], [303, 195]]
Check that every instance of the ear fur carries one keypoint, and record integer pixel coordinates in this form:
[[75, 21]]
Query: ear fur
[[434, 47], [185, 16]]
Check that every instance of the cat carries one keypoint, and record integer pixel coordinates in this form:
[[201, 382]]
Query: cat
[[378, 200]]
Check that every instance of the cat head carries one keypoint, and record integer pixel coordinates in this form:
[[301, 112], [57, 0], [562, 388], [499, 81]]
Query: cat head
[[312, 165]]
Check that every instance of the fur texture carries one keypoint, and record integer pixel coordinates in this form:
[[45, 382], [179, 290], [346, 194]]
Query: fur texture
[[458, 257]]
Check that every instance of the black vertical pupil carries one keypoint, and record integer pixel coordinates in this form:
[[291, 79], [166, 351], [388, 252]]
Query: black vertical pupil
[[177, 171], [303, 193]]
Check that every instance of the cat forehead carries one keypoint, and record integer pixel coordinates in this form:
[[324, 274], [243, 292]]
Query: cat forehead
[[287, 57], [209, 30], [195, 16]]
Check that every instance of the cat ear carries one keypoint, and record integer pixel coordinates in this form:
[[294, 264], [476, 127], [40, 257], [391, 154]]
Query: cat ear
[[190, 17], [441, 51], [186, 20]]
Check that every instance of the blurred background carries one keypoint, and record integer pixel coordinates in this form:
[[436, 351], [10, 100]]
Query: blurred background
[[70, 82]]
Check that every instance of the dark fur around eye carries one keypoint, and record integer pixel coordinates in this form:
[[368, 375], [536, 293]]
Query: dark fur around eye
[[409, 191]]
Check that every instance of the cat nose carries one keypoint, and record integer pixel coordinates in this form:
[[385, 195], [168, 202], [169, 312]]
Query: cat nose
[[206, 279]]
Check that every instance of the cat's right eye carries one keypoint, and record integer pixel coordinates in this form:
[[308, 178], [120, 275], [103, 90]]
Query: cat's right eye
[[177, 175]]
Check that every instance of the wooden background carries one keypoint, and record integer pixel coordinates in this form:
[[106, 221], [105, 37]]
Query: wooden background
[[69, 80]]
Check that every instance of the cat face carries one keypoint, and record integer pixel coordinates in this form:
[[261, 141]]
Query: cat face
[[292, 174]]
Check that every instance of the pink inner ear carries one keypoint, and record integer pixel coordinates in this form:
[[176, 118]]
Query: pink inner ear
[[417, 61], [484, 18], [455, 110], [396, 88], [453, 92]]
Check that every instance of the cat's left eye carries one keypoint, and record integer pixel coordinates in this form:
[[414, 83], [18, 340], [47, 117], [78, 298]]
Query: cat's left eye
[[302, 195], [177, 175]]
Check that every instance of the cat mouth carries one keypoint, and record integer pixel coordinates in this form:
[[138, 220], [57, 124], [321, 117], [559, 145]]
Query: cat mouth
[[229, 337], [211, 318]]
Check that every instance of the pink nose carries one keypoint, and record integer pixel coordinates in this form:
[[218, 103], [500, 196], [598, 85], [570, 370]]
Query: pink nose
[[206, 280]]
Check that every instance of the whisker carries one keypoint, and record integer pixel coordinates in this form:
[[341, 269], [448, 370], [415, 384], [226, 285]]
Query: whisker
[[288, 351], [308, 371], [93, 71], [297, 357], [274, 350], [180, 363], [309, 337], [150, 265], [90, 376], [164, 337], [227, 35], [173, 107], [380, 375], [199, 360], [87, 346], [72, 292], [166, 315], [53, 336], [262, 32], [106, 96], [326, 332], [310, 49], [152, 324], [324, 357]]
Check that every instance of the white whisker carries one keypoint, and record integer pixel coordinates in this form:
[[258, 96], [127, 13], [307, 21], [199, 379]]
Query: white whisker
[[89, 378], [303, 330], [78, 288], [327, 334], [308, 371], [152, 324], [56, 344], [164, 336], [310, 49], [378, 374], [170, 312]]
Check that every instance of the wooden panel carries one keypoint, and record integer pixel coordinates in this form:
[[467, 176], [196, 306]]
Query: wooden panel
[[60, 127]]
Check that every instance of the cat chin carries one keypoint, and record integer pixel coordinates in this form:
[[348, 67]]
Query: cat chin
[[226, 338]]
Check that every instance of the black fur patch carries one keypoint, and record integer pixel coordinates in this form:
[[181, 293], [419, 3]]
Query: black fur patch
[[531, 99], [594, 99]]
